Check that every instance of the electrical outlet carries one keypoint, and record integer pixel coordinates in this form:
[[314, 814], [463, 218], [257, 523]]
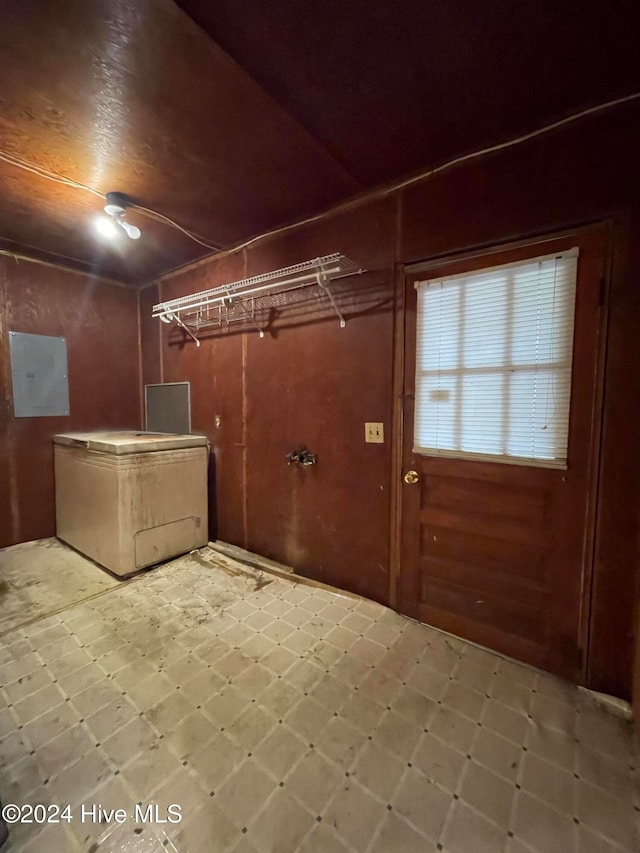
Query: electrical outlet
[[374, 433]]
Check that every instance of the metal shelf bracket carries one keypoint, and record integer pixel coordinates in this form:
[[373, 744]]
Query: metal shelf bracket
[[323, 281]]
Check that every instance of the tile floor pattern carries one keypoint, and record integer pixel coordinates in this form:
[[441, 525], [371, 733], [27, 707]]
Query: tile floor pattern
[[283, 718], [37, 578]]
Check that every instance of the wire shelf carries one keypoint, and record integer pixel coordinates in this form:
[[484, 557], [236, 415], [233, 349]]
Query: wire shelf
[[244, 300]]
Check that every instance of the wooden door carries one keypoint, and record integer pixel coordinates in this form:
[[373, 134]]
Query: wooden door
[[499, 552]]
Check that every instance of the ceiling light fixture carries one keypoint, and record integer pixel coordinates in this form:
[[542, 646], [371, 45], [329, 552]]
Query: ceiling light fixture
[[115, 208]]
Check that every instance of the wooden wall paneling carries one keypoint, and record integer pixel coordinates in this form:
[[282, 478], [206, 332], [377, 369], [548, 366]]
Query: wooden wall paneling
[[7, 520], [149, 337], [215, 372], [311, 382], [581, 173], [99, 321]]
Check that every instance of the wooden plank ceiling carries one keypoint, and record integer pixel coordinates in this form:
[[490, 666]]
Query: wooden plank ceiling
[[235, 118]]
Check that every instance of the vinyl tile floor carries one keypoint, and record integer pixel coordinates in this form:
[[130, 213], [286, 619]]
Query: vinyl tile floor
[[277, 717], [38, 578]]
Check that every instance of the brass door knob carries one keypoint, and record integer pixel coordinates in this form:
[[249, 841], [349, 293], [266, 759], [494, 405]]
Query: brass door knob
[[411, 477]]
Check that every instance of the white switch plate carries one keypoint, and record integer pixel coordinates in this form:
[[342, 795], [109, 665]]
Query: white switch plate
[[374, 433]]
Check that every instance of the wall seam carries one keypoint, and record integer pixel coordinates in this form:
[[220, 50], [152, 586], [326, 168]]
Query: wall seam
[[12, 472], [140, 378], [245, 509], [160, 337], [19, 256]]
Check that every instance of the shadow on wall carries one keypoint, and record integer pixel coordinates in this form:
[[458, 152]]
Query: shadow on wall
[[365, 294]]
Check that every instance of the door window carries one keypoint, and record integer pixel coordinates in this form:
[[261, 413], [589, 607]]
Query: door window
[[493, 362]]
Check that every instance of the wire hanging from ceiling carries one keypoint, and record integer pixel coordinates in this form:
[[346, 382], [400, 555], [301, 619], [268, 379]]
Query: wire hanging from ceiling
[[377, 193], [449, 164], [45, 173], [69, 182], [160, 217]]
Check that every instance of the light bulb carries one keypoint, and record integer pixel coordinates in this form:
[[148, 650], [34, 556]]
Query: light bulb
[[132, 230], [105, 227]]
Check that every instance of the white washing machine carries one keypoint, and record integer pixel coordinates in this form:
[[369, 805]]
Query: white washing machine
[[130, 499]]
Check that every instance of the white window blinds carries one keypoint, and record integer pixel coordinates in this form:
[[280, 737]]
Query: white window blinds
[[493, 362]]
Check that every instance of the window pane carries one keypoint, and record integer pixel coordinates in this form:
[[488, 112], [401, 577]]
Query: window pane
[[485, 321], [481, 409], [543, 314], [538, 414], [435, 412], [438, 321]]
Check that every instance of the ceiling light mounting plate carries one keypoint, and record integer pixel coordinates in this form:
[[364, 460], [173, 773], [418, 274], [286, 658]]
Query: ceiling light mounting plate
[[116, 204], [116, 207]]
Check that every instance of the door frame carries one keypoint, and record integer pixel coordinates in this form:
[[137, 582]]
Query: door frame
[[402, 272]]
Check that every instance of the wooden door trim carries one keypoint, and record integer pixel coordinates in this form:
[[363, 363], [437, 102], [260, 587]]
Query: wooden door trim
[[593, 497], [397, 419], [412, 270]]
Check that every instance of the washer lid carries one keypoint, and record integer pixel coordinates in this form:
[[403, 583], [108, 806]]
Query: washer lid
[[129, 441]]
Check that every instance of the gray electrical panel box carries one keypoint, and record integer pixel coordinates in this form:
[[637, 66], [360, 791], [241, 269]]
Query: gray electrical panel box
[[168, 407], [39, 375]]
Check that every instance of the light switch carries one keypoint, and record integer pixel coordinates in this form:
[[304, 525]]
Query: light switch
[[374, 433]]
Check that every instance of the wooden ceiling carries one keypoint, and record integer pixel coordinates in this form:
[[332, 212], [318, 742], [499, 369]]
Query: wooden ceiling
[[235, 118]]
